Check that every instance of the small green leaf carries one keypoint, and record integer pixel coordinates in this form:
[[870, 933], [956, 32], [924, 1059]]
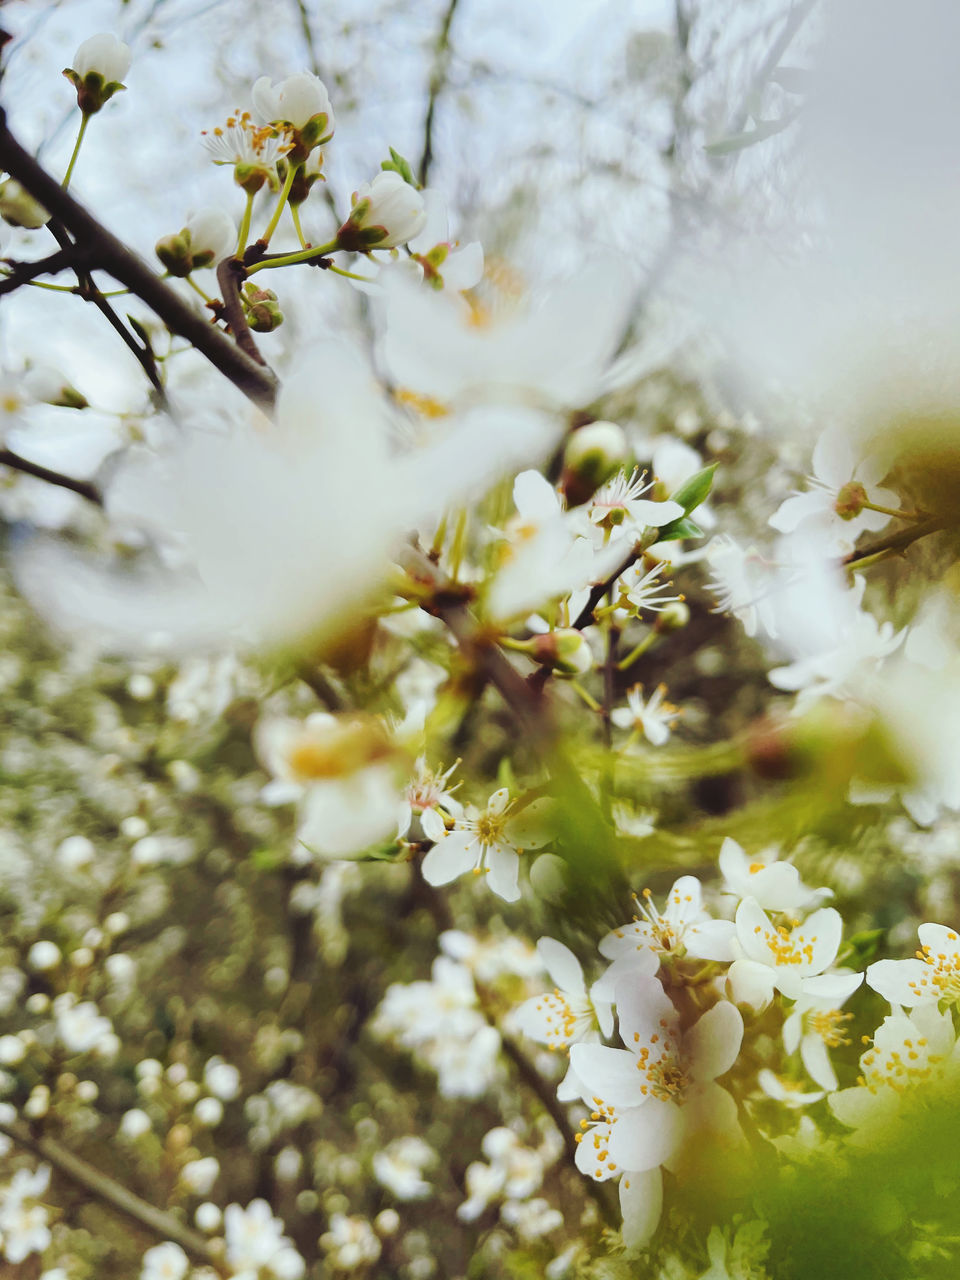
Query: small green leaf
[[268, 859], [398, 164], [682, 527], [862, 947], [695, 490]]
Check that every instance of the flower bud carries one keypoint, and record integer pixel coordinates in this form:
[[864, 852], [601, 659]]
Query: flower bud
[[300, 105], [263, 311], [590, 458], [386, 212], [208, 236], [673, 617], [99, 66], [565, 650], [18, 207]]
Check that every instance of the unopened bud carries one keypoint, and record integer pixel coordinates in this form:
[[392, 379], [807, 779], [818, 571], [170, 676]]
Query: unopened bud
[[565, 650], [174, 253], [672, 618], [263, 310], [18, 207], [99, 66], [590, 458]]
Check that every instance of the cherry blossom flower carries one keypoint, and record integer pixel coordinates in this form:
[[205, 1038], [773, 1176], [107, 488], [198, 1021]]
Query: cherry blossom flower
[[743, 584], [775, 885], [165, 1262], [489, 841], [399, 1167], [654, 717], [103, 55], [841, 486], [254, 1238], [789, 1092], [619, 509], [684, 927], [428, 800], [294, 100], [816, 1024], [653, 1097], [912, 1055], [932, 977], [386, 212], [343, 773], [23, 1228], [565, 1016], [778, 957], [641, 587], [253, 150]]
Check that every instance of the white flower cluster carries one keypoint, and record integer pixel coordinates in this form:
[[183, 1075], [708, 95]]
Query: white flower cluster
[[681, 982]]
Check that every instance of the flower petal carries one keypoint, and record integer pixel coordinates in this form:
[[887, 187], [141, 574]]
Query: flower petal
[[641, 1203], [713, 1042], [455, 854], [562, 965], [644, 1137]]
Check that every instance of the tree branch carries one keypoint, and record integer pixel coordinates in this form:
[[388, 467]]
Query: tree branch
[[24, 272], [896, 542], [438, 82], [229, 274], [86, 488], [98, 1184], [110, 254]]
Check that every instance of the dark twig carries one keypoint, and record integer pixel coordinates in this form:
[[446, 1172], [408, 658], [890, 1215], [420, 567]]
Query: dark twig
[[86, 488], [230, 272], [896, 542], [600, 589], [105, 251], [438, 82], [95, 1183], [24, 272]]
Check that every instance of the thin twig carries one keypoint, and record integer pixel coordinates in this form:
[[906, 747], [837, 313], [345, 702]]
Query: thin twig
[[600, 589], [86, 488], [794, 21], [165, 1225], [229, 274], [24, 272], [438, 82], [105, 251], [896, 541]]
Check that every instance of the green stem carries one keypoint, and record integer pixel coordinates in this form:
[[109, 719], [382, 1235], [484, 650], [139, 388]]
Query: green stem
[[295, 215], [890, 511], [349, 275], [292, 170], [193, 285], [245, 225], [459, 544], [76, 151], [289, 259], [588, 698], [637, 652]]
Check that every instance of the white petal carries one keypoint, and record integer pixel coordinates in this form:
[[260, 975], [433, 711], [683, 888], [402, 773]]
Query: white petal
[[433, 825], [503, 867], [813, 1054], [642, 1006], [454, 855], [609, 1074], [645, 1137], [713, 1042], [712, 940], [641, 1203], [902, 982], [562, 965], [535, 497]]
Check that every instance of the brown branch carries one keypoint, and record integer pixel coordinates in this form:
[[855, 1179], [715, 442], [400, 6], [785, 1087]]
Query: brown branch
[[438, 82], [86, 488], [98, 1184], [107, 252], [24, 272], [230, 272], [600, 589], [897, 542]]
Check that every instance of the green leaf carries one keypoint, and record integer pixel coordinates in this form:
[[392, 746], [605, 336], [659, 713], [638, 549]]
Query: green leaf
[[398, 164], [860, 949], [695, 490], [682, 527]]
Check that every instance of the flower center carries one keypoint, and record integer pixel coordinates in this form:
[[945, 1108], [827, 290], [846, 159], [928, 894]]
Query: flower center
[[829, 1025], [786, 947], [945, 975]]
